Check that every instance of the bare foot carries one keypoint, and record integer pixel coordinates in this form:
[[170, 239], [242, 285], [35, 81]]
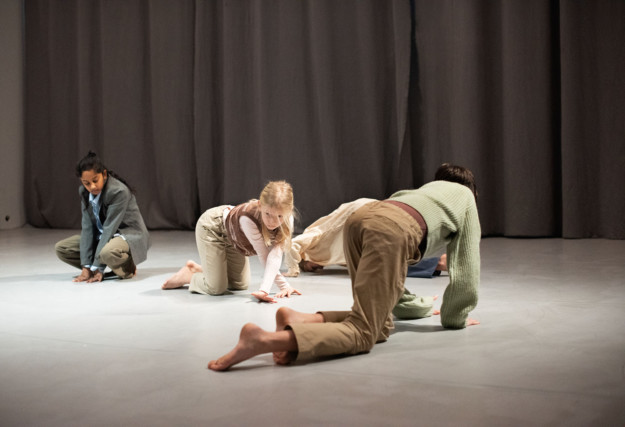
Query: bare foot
[[442, 263], [247, 347], [286, 316], [254, 341], [194, 266], [183, 276], [283, 357]]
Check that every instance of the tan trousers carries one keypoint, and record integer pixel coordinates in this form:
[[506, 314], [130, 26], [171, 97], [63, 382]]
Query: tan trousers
[[380, 240], [223, 266], [115, 254]]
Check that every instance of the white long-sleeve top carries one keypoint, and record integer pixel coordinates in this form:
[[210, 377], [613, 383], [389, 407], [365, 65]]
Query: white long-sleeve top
[[270, 256]]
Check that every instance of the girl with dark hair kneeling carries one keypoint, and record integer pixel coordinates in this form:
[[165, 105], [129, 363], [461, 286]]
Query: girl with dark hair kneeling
[[113, 232]]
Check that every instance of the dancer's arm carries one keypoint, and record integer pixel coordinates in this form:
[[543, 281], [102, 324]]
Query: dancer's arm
[[270, 257]]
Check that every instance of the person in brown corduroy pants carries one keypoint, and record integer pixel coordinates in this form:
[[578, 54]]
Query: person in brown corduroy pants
[[380, 240]]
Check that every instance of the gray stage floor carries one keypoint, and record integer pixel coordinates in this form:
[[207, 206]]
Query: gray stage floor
[[550, 349]]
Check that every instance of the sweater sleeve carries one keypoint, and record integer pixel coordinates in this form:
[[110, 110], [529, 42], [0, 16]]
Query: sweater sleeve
[[463, 262], [270, 257]]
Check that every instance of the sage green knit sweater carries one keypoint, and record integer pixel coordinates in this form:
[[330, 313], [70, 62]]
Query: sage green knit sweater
[[450, 212]]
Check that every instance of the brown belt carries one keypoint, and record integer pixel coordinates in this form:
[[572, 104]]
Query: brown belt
[[417, 217]]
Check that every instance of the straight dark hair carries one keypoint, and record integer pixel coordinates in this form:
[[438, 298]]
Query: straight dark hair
[[91, 162]]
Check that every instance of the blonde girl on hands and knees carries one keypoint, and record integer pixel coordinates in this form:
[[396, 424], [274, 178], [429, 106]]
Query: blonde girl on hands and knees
[[227, 235]]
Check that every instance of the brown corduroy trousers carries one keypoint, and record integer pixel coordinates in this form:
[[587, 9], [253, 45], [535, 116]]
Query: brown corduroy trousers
[[380, 240]]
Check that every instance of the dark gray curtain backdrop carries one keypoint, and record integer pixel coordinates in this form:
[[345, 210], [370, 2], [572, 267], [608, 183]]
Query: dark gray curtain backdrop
[[200, 103]]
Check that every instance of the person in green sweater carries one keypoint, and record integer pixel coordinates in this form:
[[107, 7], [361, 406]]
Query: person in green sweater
[[380, 240]]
